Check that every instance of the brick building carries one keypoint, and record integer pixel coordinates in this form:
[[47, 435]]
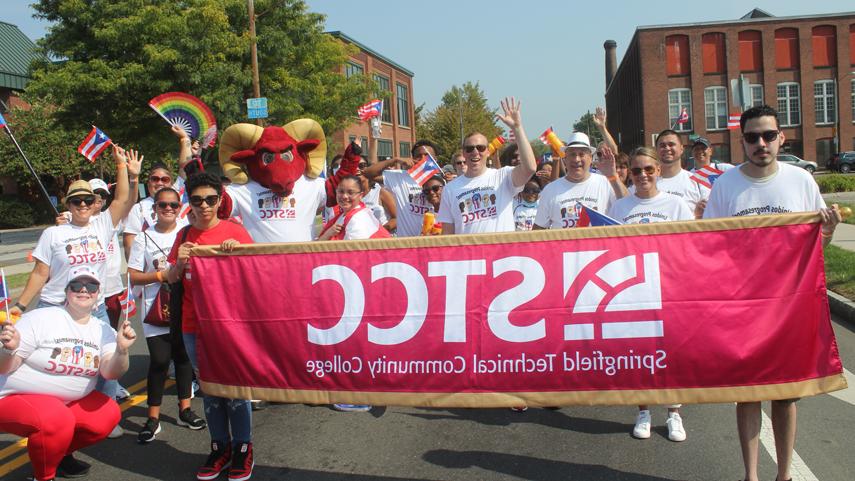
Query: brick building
[[803, 66], [398, 118]]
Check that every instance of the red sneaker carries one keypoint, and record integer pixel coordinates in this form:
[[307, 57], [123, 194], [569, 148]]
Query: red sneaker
[[218, 461], [242, 463]]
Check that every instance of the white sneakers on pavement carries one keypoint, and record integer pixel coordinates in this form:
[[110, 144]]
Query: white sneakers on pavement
[[676, 432], [642, 425]]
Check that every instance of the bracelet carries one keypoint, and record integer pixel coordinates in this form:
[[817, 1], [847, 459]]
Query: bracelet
[[121, 165], [826, 236], [20, 306]]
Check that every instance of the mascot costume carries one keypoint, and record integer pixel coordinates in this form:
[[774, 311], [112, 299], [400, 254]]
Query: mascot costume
[[277, 187]]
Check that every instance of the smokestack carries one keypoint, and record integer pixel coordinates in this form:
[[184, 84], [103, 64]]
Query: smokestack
[[611, 60]]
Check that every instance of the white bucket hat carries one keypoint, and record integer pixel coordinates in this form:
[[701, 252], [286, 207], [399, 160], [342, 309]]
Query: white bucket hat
[[578, 139]]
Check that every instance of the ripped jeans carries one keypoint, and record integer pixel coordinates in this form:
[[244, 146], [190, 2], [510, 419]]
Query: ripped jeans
[[221, 412]]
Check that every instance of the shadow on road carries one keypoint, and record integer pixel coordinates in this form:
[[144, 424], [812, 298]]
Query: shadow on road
[[543, 417]]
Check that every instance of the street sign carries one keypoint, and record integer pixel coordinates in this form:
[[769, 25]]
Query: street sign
[[256, 108]]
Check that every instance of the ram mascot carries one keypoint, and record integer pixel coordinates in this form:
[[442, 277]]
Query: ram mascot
[[276, 183]]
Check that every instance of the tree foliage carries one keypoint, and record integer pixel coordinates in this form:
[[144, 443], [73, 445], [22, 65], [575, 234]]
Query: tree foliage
[[118, 54], [442, 125], [586, 125]]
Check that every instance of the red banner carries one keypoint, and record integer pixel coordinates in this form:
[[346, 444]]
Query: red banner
[[704, 311]]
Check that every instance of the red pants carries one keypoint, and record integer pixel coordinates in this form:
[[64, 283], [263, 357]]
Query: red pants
[[54, 429]]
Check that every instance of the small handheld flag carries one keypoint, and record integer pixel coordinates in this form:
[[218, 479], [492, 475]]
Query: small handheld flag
[[4, 291], [372, 109], [424, 170], [127, 301], [706, 176], [2, 121], [590, 218], [94, 143]]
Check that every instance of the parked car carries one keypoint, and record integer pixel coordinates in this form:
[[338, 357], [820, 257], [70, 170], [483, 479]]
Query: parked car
[[793, 160], [843, 162]]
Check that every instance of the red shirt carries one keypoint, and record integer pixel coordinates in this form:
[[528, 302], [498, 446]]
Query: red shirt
[[214, 236]]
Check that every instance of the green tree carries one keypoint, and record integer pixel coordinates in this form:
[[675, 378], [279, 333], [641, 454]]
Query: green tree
[[586, 125], [118, 54], [442, 125]]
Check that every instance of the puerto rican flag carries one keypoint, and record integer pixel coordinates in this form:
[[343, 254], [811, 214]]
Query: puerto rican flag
[[127, 301], [733, 121], [684, 116], [5, 300], [371, 109], [706, 176], [2, 121], [94, 143], [424, 170], [590, 218]]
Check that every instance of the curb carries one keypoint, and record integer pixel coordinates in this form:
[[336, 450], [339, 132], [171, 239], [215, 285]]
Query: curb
[[841, 307]]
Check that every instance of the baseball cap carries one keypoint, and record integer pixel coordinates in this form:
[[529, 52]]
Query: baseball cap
[[98, 184], [701, 140], [80, 272], [578, 139]]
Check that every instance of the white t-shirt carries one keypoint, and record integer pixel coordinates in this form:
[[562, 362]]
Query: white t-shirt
[[683, 187], [524, 213], [372, 201], [61, 357], [556, 208], [791, 189], [67, 245], [148, 254], [409, 200], [113, 282], [269, 217], [664, 207], [480, 204], [142, 214]]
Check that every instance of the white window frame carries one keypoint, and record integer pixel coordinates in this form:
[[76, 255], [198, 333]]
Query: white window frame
[[674, 109], [756, 91], [715, 108], [787, 102], [825, 101]]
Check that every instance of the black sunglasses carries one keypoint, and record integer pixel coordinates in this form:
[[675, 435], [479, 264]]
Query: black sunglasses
[[433, 188], [647, 169], [531, 191], [211, 200], [77, 286], [753, 137], [471, 148], [362, 165], [76, 201], [173, 205]]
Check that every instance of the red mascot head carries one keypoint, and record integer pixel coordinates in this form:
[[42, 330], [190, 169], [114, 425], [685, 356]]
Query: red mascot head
[[273, 156]]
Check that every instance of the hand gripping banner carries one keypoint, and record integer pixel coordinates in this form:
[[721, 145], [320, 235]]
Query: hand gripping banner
[[689, 312]]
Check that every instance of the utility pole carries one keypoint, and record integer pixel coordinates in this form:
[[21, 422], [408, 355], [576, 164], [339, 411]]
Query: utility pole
[[253, 50], [460, 113]]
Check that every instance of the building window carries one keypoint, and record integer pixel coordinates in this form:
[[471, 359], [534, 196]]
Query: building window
[[677, 55], [715, 107], [383, 85], [794, 147], [750, 51], [384, 149], [679, 99], [824, 101], [789, 104], [756, 95], [824, 41], [366, 144], [824, 150], [351, 69], [712, 52], [786, 48], [721, 153], [403, 105], [404, 149]]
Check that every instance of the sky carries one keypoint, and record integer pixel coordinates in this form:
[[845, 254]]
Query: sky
[[549, 54]]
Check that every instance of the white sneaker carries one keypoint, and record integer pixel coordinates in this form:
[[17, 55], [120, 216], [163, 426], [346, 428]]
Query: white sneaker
[[122, 394], [117, 432], [642, 425], [676, 432]]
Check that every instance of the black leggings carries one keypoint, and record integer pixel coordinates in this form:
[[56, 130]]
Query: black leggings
[[161, 350]]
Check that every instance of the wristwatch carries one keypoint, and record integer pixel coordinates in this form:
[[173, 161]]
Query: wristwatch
[[8, 352], [20, 306]]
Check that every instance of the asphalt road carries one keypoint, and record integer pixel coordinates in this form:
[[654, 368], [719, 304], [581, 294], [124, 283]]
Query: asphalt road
[[314, 443]]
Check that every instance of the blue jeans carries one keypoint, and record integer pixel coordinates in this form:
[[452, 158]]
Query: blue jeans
[[219, 411], [109, 388]]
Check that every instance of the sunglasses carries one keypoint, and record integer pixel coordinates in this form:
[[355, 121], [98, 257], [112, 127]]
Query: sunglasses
[[165, 179], [531, 191], [434, 188], [471, 148], [173, 205], [197, 201], [753, 137], [362, 165], [459, 162], [648, 169], [76, 201], [77, 286]]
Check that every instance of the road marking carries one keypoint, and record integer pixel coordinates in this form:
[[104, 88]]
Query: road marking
[[133, 400], [848, 394], [798, 469]]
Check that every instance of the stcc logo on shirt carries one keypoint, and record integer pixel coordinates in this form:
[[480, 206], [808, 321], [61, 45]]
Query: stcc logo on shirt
[[477, 205], [74, 358], [273, 207], [86, 249]]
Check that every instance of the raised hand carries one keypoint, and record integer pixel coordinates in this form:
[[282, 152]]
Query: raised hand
[[125, 337], [135, 161], [179, 132], [607, 162], [511, 109], [10, 338], [119, 155], [600, 117]]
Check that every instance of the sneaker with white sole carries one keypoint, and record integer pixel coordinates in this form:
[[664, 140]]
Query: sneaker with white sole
[[186, 417], [122, 394], [642, 425], [352, 408], [149, 431], [676, 432], [117, 432]]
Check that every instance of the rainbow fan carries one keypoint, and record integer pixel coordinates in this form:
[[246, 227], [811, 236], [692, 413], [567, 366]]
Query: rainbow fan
[[189, 113]]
